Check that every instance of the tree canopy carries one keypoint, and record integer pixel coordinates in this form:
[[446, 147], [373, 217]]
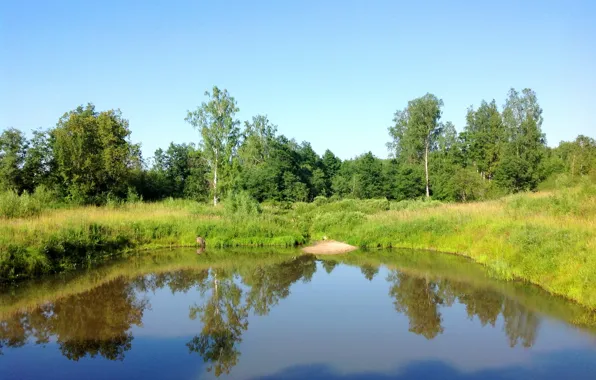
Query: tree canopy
[[88, 157]]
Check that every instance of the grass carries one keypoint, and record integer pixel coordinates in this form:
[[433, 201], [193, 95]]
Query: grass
[[548, 238]]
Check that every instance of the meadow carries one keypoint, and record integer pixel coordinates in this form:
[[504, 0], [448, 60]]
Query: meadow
[[545, 238]]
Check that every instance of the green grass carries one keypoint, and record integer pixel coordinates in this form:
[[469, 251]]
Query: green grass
[[548, 238]]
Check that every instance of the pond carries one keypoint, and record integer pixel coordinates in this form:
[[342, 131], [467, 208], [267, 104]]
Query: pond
[[394, 314]]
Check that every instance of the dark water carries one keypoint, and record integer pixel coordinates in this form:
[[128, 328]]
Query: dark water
[[392, 315]]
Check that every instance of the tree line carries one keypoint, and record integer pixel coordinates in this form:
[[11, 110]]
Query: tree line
[[89, 158]]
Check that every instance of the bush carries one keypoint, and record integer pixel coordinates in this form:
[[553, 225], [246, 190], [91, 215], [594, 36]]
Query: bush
[[242, 203], [133, 197], [14, 206]]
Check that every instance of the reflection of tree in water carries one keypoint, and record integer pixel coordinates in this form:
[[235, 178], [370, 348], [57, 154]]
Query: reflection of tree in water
[[268, 284], [419, 299], [521, 325], [369, 271], [96, 322], [329, 265], [224, 318], [177, 281], [224, 314]]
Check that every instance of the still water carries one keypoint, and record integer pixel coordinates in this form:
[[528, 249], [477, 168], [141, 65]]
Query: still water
[[261, 315]]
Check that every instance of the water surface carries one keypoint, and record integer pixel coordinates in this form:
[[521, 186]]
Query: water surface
[[260, 315]]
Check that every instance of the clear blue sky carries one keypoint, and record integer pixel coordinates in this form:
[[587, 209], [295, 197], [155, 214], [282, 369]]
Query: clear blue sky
[[329, 72]]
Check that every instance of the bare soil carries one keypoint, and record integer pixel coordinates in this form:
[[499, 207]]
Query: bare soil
[[328, 247]]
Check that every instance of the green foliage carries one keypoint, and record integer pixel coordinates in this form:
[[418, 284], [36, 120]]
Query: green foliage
[[414, 205], [485, 137], [545, 239], [13, 147], [219, 132], [93, 154], [416, 131], [88, 157], [25, 205], [242, 204]]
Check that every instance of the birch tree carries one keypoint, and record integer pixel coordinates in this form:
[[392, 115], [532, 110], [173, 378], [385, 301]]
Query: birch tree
[[219, 131], [415, 131]]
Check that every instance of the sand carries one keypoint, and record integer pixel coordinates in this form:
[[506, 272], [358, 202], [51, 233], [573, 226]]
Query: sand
[[329, 247]]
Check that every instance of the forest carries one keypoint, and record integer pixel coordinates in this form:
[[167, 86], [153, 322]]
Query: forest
[[89, 158]]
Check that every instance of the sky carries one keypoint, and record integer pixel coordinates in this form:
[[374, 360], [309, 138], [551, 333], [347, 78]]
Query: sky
[[329, 72]]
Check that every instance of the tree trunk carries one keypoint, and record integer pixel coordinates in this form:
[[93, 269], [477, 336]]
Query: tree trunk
[[426, 168], [215, 181]]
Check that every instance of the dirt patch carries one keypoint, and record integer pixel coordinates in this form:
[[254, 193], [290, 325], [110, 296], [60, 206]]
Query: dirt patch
[[329, 247]]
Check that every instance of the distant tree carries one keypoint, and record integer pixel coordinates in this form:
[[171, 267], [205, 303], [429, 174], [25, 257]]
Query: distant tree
[[93, 153], [485, 137], [344, 180], [409, 182], [578, 156], [219, 132], [369, 177], [257, 139], [39, 167], [331, 165], [523, 153], [13, 148], [447, 161], [415, 131], [181, 171]]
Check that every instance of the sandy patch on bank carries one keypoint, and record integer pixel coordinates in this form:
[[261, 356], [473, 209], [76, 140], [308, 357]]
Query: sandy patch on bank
[[328, 247]]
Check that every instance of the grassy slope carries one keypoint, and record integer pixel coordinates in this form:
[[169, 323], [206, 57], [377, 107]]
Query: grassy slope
[[548, 239]]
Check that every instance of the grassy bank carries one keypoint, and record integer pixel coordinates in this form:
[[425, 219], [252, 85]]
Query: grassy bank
[[548, 239]]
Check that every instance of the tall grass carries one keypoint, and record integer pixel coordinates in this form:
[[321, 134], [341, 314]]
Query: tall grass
[[26, 205], [548, 239], [65, 239]]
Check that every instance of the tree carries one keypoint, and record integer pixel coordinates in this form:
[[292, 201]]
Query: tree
[[579, 156], [344, 180], [525, 148], [181, 171], [369, 174], [219, 131], [257, 139], [331, 165], [39, 167], [13, 147], [93, 154], [415, 131], [485, 136]]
